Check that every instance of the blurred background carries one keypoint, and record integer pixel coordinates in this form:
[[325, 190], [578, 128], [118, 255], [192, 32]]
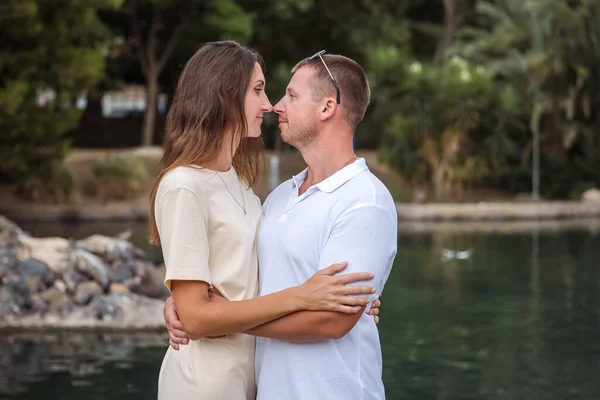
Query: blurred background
[[483, 124]]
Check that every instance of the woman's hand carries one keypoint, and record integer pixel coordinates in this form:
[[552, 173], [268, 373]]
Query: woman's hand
[[326, 292], [176, 334], [374, 311]]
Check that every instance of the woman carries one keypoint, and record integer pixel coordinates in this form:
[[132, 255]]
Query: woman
[[206, 219]]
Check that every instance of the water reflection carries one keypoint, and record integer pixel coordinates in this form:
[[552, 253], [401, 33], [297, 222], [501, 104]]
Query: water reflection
[[518, 319], [76, 365], [515, 318]]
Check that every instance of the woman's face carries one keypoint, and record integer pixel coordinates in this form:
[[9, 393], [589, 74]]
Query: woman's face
[[256, 103]]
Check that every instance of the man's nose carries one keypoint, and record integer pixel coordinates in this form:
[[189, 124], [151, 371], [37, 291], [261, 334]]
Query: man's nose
[[279, 108]]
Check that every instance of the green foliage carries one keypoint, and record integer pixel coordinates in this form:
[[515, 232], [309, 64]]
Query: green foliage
[[53, 185], [449, 124], [45, 47], [120, 177], [230, 20], [548, 50]]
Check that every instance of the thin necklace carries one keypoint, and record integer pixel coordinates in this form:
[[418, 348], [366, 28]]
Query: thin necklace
[[347, 162], [241, 191]]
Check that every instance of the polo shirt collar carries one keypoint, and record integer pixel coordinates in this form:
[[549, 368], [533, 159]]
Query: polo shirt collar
[[336, 180]]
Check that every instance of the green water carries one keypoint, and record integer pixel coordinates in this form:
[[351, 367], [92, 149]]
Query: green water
[[518, 319]]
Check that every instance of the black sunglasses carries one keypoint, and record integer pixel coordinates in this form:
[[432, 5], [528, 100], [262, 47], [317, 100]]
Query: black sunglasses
[[337, 88]]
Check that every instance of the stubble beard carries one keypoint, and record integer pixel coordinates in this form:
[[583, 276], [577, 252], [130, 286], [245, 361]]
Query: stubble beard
[[302, 137]]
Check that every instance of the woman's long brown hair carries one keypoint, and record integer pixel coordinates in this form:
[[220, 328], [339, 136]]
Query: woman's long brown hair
[[209, 103]]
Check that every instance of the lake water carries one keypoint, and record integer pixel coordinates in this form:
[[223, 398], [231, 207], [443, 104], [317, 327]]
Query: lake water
[[515, 316]]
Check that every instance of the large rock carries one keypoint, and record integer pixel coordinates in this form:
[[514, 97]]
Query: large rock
[[59, 303], [35, 268], [34, 283], [8, 229], [53, 251], [17, 288], [8, 305], [38, 304], [4, 271], [591, 195], [125, 310], [123, 271], [54, 282], [118, 288], [108, 248], [71, 278], [149, 282], [86, 291], [8, 261], [91, 265]]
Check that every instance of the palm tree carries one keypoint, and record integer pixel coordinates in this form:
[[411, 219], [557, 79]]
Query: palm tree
[[550, 50]]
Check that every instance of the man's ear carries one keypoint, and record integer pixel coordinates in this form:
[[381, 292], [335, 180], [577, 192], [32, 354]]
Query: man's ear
[[328, 108]]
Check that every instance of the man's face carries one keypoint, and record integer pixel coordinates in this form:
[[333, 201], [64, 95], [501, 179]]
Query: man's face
[[298, 113]]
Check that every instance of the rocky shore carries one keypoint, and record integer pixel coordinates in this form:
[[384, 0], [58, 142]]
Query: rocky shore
[[97, 282]]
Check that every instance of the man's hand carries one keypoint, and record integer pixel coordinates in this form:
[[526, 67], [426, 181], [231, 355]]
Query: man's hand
[[176, 334]]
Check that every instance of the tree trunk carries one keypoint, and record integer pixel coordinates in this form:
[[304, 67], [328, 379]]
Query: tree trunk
[[449, 29], [151, 107], [535, 176], [152, 66]]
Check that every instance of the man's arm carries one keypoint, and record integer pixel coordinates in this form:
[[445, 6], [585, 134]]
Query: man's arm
[[365, 236], [308, 326]]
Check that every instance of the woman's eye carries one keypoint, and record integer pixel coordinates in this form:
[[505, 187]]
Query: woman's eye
[[258, 90]]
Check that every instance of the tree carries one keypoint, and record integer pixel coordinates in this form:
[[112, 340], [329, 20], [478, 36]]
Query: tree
[[548, 48], [51, 57], [158, 29]]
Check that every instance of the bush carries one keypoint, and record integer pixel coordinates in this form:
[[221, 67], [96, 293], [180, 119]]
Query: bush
[[450, 126], [54, 185], [120, 177]]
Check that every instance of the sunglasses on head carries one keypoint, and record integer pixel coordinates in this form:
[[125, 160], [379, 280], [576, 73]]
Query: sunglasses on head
[[337, 88]]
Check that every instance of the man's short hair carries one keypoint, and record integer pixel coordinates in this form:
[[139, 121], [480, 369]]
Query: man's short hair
[[351, 78]]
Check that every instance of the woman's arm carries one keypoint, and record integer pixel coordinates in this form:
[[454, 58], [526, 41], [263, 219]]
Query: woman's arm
[[177, 335], [323, 292]]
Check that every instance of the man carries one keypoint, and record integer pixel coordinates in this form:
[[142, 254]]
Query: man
[[335, 210]]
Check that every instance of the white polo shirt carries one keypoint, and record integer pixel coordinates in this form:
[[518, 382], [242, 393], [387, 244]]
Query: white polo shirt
[[350, 216]]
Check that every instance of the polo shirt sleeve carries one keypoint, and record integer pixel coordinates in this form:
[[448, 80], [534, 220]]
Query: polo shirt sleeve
[[183, 228], [366, 237]]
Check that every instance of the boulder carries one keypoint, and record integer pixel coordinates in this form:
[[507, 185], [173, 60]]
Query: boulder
[[59, 303], [86, 291], [32, 267], [4, 271], [108, 248], [123, 271], [8, 261], [125, 310], [34, 283], [118, 288], [102, 308], [38, 304], [8, 229], [60, 285], [149, 282], [72, 278], [17, 288], [591, 195], [92, 266], [8, 305], [53, 251]]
